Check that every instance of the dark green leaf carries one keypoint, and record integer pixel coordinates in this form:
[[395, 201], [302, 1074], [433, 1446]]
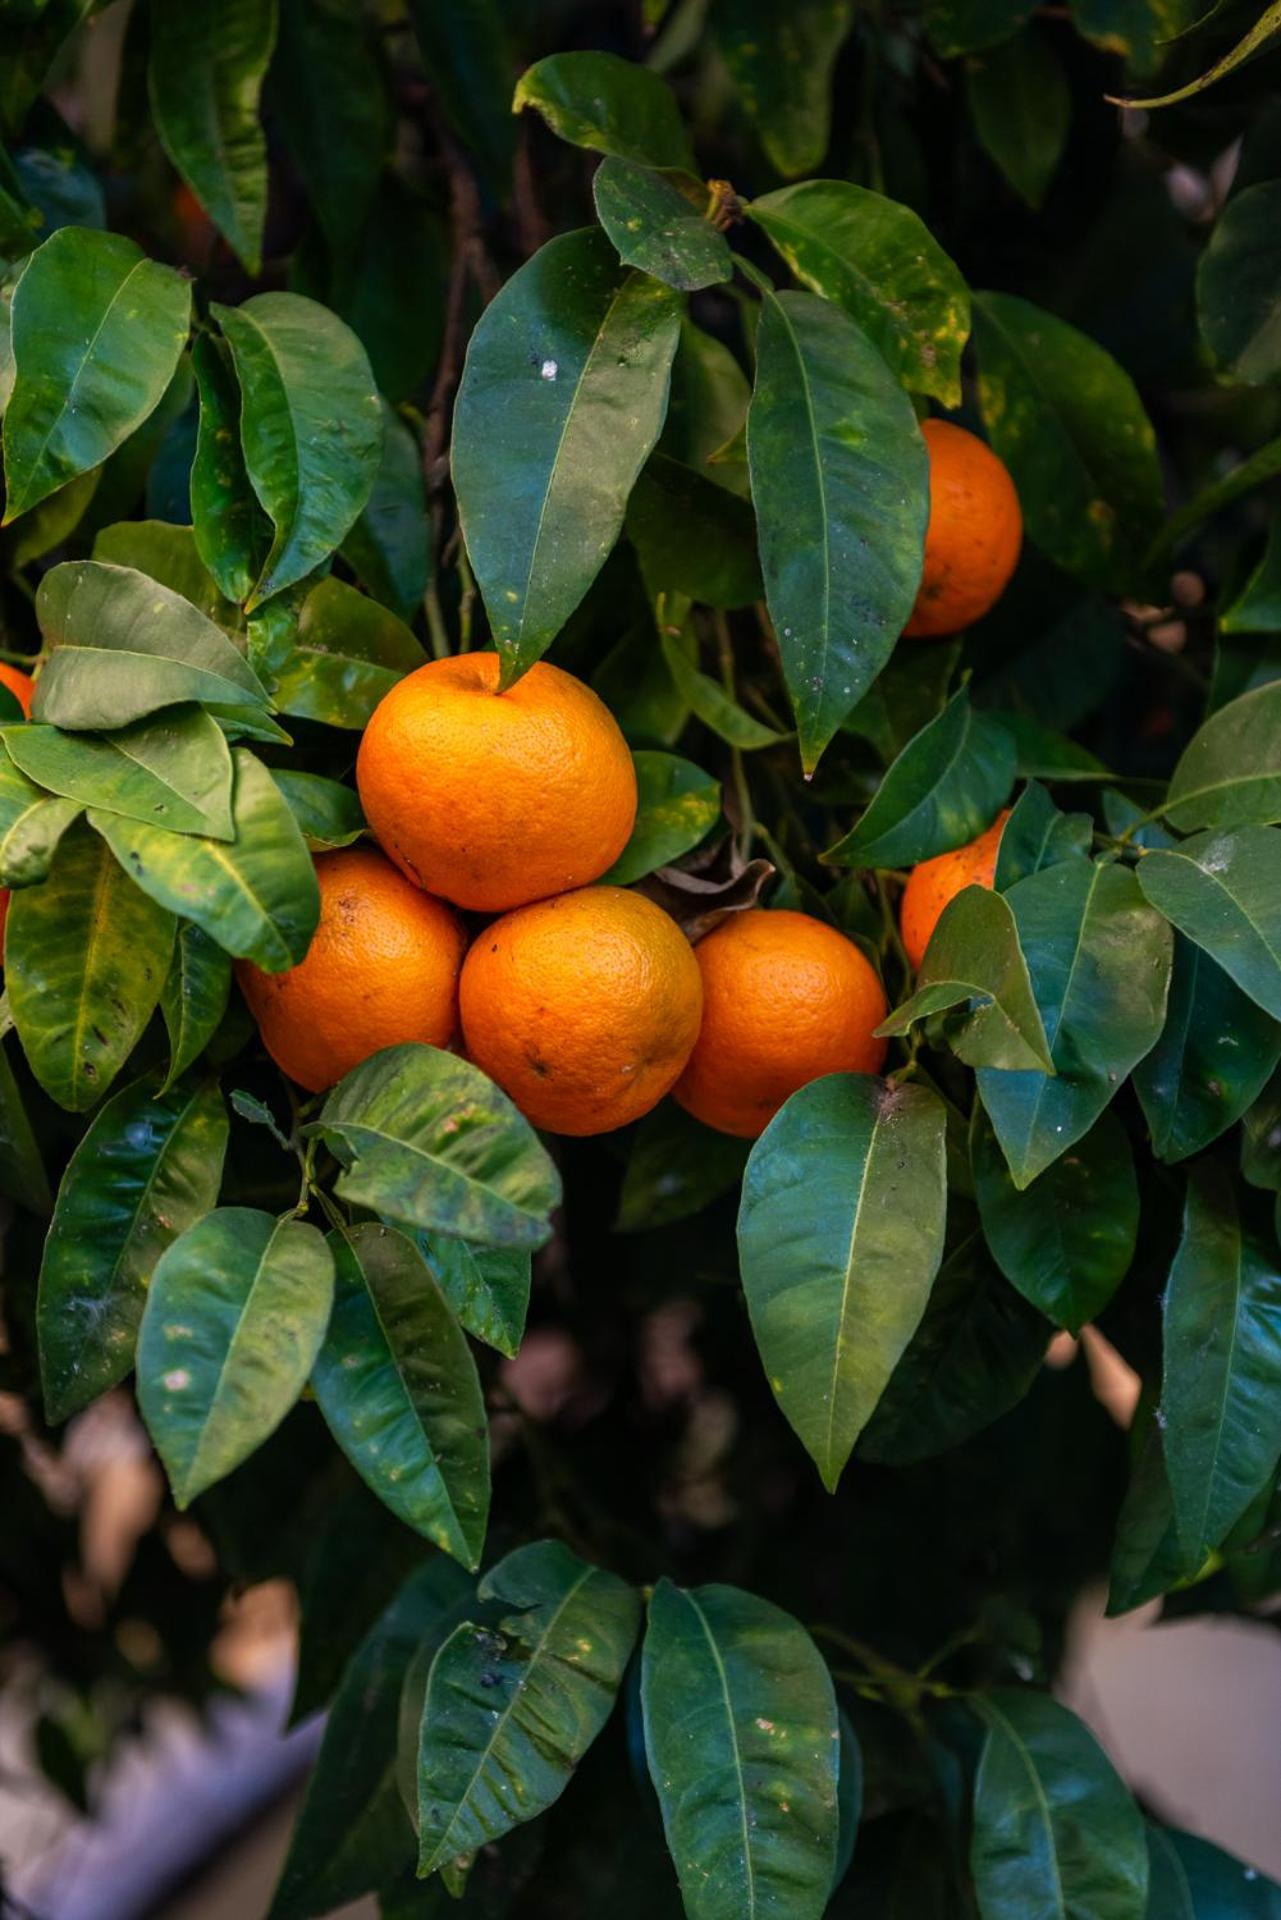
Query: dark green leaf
[[562, 399], [598, 101], [85, 958], [510, 1713], [1221, 1412], [1216, 1051], [170, 555], [974, 960], [836, 1264], [1261, 1139], [943, 790], [97, 331], [967, 26], [781, 61], [22, 1171], [397, 1384], [849, 1798], [1257, 608], [327, 813], [658, 222], [235, 1314], [464, 48], [1021, 107], [1239, 285], [1055, 1830], [878, 260], [742, 1739], [1146, 1557], [1229, 774], [707, 409], [31, 826], [388, 548], [840, 479], [677, 806], [708, 700], [193, 999], [676, 1168], [1192, 1880], [173, 770], [1223, 890], [257, 898], [232, 533], [905, 696], [49, 524], [692, 536], [487, 1287], [208, 61], [1037, 835], [31, 39], [349, 652], [148, 1168], [434, 1144]]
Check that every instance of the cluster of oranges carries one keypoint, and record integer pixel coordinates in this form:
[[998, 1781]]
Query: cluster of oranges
[[585, 1002]]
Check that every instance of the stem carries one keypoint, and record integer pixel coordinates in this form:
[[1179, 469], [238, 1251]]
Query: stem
[[436, 630]]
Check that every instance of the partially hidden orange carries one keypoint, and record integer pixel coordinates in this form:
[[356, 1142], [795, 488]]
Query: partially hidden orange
[[496, 799], [974, 534], [932, 885], [382, 968], [20, 686], [583, 1008], [786, 998]]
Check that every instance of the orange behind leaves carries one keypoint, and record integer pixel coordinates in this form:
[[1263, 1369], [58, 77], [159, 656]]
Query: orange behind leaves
[[974, 534], [583, 1008], [496, 799], [786, 999], [932, 885], [20, 685], [382, 968]]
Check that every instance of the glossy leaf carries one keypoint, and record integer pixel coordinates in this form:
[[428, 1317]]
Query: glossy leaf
[[22, 1171], [1037, 835], [781, 61], [1099, 960], [510, 1713], [349, 652], [1069, 425], [147, 1169], [562, 399], [875, 258], [1222, 1320], [232, 533], [707, 409], [837, 1264], [96, 334], [742, 1739], [974, 961], [1021, 106], [169, 555], [388, 547], [1229, 774], [207, 63], [1146, 1557], [398, 1386], [328, 814], [487, 1287], [428, 1140], [692, 536], [944, 789], [330, 95], [677, 806], [840, 482], [31, 826], [257, 898], [173, 770], [707, 699], [86, 955], [676, 1167], [1239, 285], [311, 427], [1223, 890], [1215, 1054], [598, 101], [1261, 1139], [1055, 1830], [194, 997], [656, 225], [235, 1314], [1193, 1880]]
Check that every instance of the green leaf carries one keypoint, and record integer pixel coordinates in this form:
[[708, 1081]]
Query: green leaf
[[352, 1829], [148, 1168], [1193, 1880], [836, 1264], [398, 1386], [1257, 608], [692, 536], [31, 826], [562, 398], [709, 702], [348, 653], [311, 427], [907, 694], [1223, 890], [428, 1140], [1229, 774], [123, 645], [235, 1315], [1261, 1139], [1021, 106], [943, 790], [510, 1713], [677, 1166], [781, 61], [707, 409], [1146, 1558], [168, 554], [1216, 1052], [1099, 961], [328, 814], [1267, 24], [22, 1170], [877, 260], [840, 478], [97, 331], [967, 26], [1238, 286], [1222, 1327], [173, 770], [49, 524], [1055, 1830], [85, 958], [207, 64], [742, 1739], [388, 548], [465, 50], [658, 222], [257, 898], [231, 531], [1069, 425], [487, 1287], [31, 39], [194, 997], [973, 1357], [974, 960], [1067, 1240], [677, 806], [598, 101], [1037, 835]]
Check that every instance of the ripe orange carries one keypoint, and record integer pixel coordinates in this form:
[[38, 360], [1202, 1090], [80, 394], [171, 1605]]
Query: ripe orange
[[19, 684], [974, 533], [931, 885], [785, 1000], [583, 1008], [382, 967], [496, 799]]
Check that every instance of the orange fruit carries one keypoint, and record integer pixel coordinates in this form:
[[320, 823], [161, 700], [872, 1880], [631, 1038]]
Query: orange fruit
[[382, 967], [786, 999], [931, 885], [496, 799], [974, 533], [19, 684], [583, 1008]]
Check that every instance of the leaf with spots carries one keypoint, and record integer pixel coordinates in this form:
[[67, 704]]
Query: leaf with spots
[[678, 805]]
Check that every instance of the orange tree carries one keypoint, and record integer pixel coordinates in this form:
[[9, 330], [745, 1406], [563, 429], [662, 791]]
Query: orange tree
[[737, 1581]]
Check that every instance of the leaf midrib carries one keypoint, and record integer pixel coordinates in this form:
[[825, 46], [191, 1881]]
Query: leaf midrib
[[723, 1677], [434, 1161], [992, 1712], [225, 1368], [806, 388]]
